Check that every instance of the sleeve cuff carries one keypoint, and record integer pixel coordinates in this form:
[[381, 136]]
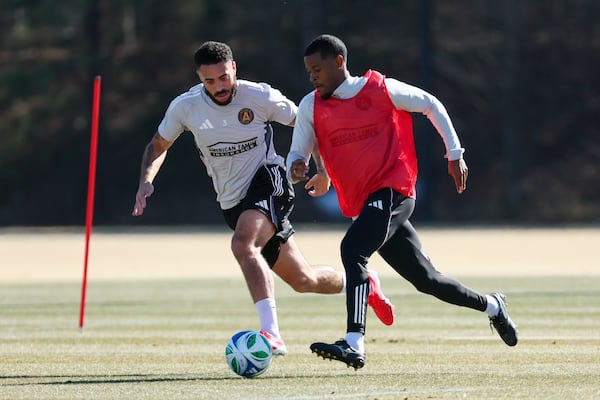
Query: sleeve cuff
[[454, 154]]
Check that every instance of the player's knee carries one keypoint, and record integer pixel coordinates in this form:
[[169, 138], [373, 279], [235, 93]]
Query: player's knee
[[423, 286], [242, 248], [425, 283], [351, 255]]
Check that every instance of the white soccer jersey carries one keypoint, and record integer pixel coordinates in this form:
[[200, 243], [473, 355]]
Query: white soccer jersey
[[234, 140]]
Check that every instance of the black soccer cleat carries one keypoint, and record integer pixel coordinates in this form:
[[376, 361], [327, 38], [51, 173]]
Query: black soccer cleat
[[505, 327], [340, 351]]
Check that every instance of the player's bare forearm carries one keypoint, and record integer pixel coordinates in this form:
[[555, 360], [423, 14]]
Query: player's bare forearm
[[151, 163], [153, 158], [319, 183], [319, 162]]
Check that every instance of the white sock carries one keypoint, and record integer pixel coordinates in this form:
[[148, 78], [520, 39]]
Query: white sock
[[267, 315], [356, 340], [493, 308], [343, 283], [375, 276]]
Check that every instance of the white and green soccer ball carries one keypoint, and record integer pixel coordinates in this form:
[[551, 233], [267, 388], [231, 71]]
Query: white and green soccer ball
[[248, 353]]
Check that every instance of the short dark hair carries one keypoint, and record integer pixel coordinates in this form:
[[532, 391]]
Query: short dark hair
[[212, 53], [327, 46]]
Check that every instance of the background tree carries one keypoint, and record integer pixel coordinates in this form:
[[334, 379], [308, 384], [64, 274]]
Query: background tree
[[518, 79]]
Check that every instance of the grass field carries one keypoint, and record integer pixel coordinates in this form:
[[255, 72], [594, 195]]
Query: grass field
[[163, 336]]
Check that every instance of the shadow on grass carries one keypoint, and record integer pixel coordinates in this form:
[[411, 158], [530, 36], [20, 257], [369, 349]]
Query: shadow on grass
[[49, 380], [100, 379]]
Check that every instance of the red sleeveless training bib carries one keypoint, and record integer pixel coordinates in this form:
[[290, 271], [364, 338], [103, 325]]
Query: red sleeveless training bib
[[366, 144]]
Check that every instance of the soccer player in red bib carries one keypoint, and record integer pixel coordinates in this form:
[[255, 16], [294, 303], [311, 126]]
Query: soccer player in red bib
[[362, 128]]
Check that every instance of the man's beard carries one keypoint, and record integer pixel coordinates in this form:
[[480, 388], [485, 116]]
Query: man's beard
[[223, 103], [325, 95]]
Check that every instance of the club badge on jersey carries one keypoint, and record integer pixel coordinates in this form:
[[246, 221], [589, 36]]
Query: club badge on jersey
[[245, 116]]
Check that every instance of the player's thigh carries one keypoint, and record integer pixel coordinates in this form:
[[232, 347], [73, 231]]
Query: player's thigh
[[253, 228]]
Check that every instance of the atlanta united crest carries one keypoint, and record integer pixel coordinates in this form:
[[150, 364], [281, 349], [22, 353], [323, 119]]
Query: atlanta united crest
[[245, 116]]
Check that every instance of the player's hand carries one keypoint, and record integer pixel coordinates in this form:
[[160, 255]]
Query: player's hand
[[299, 171], [318, 185], [145, 190], [458, 170]]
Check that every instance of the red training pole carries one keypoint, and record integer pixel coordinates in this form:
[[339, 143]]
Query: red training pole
[[91, 186]]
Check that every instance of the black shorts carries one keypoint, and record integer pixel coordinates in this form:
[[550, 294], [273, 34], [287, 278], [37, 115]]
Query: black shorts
[[272, 194]]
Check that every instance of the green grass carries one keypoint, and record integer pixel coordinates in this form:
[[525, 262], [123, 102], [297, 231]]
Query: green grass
[[166, 340]]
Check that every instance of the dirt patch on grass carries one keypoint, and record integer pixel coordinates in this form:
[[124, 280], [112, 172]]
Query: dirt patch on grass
[[57, 254]]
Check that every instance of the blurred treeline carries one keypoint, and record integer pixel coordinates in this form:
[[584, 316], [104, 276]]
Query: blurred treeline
[[520, 80]]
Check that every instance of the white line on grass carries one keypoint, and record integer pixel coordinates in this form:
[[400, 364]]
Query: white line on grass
[[373, 394]]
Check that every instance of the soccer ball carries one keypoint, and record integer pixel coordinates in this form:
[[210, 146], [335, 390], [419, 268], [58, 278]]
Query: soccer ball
[[248, 353]]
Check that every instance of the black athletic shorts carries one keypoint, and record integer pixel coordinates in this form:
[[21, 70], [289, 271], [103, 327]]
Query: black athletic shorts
[[272, 194]]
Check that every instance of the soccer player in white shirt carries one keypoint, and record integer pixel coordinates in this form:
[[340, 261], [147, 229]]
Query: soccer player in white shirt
[[230, 120]]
